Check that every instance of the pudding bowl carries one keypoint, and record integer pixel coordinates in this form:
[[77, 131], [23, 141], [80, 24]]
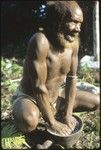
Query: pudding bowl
[[70, 140]]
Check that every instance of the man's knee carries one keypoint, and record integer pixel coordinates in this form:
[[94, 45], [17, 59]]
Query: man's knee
[[86, 101], [26, 118], [31, 120], [97, 102], [27, 122]]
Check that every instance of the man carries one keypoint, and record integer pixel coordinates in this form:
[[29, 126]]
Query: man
[[51, 60]]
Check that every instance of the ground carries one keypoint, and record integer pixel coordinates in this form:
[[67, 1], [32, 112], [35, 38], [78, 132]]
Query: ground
[[11, 72]]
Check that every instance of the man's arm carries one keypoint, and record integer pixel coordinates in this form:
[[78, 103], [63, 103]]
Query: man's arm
[[70, 90], [40, 46]]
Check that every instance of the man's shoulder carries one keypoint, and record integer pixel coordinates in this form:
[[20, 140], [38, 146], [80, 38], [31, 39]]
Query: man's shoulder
[[38, 42], [39, 37]]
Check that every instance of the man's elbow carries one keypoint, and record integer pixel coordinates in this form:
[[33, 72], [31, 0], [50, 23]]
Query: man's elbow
[[41, 89]]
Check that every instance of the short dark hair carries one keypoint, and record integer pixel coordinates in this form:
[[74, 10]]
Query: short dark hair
[[56, 13]]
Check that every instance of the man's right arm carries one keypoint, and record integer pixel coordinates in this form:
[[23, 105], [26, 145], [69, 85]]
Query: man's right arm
[[40, 46]]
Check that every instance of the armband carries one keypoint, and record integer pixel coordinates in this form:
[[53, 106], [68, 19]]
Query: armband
[[73, 77]]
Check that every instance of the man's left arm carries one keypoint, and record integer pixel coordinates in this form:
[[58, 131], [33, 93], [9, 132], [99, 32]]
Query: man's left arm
[[70, 89]]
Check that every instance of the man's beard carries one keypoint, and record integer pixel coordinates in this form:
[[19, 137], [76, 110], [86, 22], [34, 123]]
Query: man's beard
[[63, 39]]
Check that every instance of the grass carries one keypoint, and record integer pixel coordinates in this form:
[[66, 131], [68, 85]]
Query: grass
[[11, 138], [90, 138]]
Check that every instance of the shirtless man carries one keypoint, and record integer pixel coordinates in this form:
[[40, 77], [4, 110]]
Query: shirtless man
[[51, 60]]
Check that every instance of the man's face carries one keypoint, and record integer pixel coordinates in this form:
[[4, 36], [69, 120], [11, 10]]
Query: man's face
[[71, 29], [72, 25], [69, 32]]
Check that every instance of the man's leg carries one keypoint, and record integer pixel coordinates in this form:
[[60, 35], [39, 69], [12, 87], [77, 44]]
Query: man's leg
[[86, 101], [26, 115]]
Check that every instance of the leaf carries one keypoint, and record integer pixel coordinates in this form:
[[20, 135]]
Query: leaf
[[14, 142], [59, 146], [11, 137]]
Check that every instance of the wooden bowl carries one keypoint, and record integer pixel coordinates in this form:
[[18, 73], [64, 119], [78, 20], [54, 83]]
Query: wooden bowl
[[68, 141]]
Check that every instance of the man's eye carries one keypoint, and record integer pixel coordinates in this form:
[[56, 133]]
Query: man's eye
[[73, 23], [70, 24]]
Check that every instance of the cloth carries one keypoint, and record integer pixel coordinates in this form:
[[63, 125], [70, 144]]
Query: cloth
[[19, 94]]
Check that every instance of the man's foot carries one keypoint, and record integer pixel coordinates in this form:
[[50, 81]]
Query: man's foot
[[45, 145]]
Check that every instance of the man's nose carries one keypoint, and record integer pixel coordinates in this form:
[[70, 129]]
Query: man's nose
[[77, 28]]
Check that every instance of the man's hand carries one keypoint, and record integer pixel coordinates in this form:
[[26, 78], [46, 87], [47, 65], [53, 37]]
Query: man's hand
[[61, 128], [70, 121]]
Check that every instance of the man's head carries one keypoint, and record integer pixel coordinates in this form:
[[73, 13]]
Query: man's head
[[64, 17]]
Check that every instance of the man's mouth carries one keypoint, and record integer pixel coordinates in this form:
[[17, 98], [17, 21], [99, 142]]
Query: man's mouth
[[71, 36]]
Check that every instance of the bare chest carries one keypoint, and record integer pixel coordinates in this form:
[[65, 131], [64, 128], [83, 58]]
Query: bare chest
[[58, 63]]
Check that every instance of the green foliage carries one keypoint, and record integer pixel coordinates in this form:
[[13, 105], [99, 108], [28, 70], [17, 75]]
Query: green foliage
[[11, 137], [11, 74], [14, 143], [85, 74], [10, 69], [90, 138]]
